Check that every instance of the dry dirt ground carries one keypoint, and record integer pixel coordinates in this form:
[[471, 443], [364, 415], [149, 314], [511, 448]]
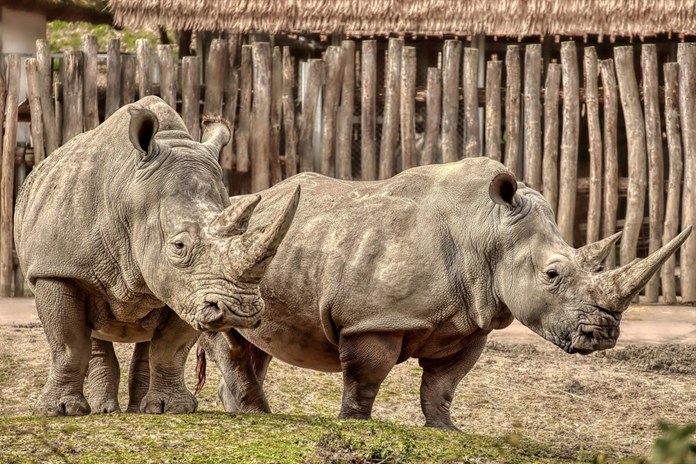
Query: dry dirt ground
[[522, 388]]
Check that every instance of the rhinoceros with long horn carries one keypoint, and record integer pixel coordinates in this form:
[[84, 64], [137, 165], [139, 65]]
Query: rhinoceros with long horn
[[127, 234]]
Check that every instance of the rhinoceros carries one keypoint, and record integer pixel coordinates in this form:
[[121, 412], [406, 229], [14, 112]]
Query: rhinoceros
[[126, 234], [423, 265]]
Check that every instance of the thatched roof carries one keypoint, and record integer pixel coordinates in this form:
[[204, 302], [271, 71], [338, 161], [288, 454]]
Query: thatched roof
[[420, 17], [94, 11]]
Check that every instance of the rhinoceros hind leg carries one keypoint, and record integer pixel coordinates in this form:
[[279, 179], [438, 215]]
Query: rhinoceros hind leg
[[103, 378], [440, 380], [169, 349], [138, 376], [366, 360], [61, 308]]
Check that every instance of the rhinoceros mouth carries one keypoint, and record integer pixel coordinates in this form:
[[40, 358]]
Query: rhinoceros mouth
[[220, 314], [590, 337]]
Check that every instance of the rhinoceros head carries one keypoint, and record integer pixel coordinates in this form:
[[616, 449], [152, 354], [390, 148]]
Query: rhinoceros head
[[560, 292], [193, 248]]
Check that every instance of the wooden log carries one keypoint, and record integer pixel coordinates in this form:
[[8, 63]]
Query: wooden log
[[191, 95], [432, 117], [113, 78], [569, 141], [390, 128], [34, 96], [3, 97], [143, 53], [594, 209], [215, 75], [635, 139], [309, 107], [243, 135], [407, 111], [227, 157], [345, 113], [260, 116], [552, 88], [653, 138], [167, 74], [686, 57], [494, 71], [671, 227], [532, 116], [276, 114], [332, 93], [45, 66], [7, 175], [451, 57], [611, 158], [471, 145], [512, 108], [289, 113], [90, 48], [127, 79], [73, 107], [368, 110]]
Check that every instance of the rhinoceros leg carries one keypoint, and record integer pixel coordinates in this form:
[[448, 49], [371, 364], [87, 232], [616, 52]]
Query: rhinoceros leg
[[440, 380], [169, 349], [366, 359], [138, 376], [61, 308], [103, 378]]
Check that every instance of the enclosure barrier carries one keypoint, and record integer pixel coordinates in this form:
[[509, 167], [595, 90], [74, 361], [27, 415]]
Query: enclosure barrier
[[341, 120]]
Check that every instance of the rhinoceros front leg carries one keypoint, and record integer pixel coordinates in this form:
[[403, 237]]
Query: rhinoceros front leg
[[138, 376], [61, 308], [103, 378], [440, 380], [169, 349], [366, 359]]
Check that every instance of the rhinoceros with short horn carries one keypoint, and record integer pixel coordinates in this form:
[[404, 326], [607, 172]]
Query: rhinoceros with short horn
[[126, 234], [424, 265]]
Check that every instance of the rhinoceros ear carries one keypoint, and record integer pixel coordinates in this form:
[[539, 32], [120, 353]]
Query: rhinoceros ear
[[143, 127], [502, 189]]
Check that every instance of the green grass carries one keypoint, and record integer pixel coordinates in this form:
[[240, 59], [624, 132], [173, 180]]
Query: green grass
[[63, 35], [208, 437]]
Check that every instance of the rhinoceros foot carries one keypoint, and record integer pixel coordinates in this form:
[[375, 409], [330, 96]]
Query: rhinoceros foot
[[106, 406], [73, 404], [159, 402]]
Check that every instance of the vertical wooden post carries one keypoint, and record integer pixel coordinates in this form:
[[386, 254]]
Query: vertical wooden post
[[143, 52], [191, 95], [552, 88], [368, 108], [215, 75], [167, 74], [512, 107], [569, 141], [45, 65], [276, 114], [432, 121], [332, 92], [451, 57], [669, 290], [408, 108], [113, 77], [227, 157], [686, 57], [33, 94], [594, 209], [611, 157], [345, 113], [471, 145], [20, 175], [127, 79], [7, 176], [3, 97], [289, 113], [260, 115], [653, 138], [309, 108], [494, 71], [243, 135], [532, 116], [390, 128], [90, 48], [635, 139], [73, 116]]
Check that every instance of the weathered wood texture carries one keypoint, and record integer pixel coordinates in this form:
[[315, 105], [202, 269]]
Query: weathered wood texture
[[276, 113], [73, 107], [550, 162], [128, 79], [408, 108], [345, 113], [34, 97], [330, 99], [190, 95], [451, 57], [686, 57], [45, 65], [167, 74], [311, 98], [532, 116], [594, 134], [493, 137], [611, 157], [260, 116], [390, 128], [143, 53], [243, 134], [113, 77], [368, 110], [472, 144], [512, 107], [289, 124], [90, 48], [432, 118]]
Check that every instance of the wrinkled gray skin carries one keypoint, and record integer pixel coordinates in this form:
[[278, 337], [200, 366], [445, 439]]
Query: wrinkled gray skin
[[126, 234], [424, 265]]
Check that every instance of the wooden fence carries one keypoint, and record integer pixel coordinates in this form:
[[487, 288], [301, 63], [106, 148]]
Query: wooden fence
[[341, 120]]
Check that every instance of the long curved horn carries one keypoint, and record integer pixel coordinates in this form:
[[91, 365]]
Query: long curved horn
[[619, 286], [592, 255], [234, 220]]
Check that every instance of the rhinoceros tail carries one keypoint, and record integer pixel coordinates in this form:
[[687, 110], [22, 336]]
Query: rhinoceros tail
[[200, 370]]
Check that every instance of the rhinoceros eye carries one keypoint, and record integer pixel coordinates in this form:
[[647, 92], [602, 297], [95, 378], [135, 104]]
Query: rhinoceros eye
[[552, 274], [179, 245]]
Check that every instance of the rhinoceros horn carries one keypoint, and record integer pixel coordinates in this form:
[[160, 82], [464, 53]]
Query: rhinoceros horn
[[234, 220], [618, 287], [591, 256]]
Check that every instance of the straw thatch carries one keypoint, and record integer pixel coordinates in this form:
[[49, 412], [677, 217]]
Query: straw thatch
[[419, 17], [94, 11]]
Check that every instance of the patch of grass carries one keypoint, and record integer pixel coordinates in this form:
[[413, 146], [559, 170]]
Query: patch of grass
[[8, 369], [219, 437], [63, 35]]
